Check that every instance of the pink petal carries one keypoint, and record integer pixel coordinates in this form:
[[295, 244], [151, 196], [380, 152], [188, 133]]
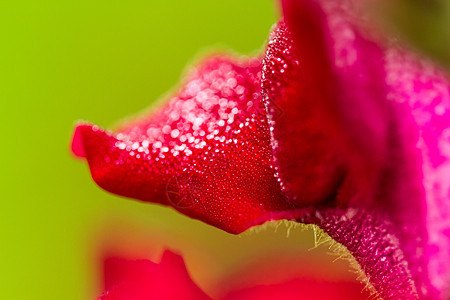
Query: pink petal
[[421, 95]]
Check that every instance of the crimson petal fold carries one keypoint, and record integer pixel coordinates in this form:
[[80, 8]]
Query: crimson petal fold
[[206, 152]]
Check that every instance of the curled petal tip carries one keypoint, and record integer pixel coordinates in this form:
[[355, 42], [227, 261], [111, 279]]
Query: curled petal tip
[[170, 257], [77, 146]]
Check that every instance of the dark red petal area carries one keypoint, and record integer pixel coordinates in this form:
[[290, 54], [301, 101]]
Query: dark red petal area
[[206, 152], [305, 142], [331, 83], [143, 279]]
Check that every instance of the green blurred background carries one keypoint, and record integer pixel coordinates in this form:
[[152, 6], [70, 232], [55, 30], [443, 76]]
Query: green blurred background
[[61, 61]]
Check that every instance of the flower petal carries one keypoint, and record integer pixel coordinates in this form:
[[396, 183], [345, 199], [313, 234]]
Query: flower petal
[[143, 279], [207, 152], [333, 80]]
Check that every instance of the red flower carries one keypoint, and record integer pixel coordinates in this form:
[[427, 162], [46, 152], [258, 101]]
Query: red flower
[[142, 279], [329, 128]]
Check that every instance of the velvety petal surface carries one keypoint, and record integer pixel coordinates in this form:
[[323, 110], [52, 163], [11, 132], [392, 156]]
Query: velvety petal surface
[[206, 152]]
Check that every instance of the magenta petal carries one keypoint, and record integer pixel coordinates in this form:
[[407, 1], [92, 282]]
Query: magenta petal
[[421, 95]]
